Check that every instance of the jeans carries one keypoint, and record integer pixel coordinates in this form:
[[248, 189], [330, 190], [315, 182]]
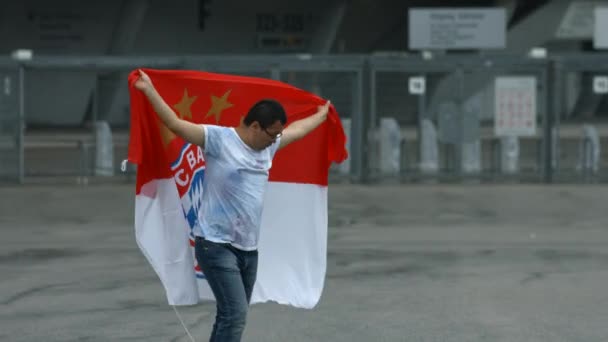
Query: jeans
[[231, 274]]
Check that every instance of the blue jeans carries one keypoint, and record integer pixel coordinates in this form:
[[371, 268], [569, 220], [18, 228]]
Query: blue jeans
[[231, 274]]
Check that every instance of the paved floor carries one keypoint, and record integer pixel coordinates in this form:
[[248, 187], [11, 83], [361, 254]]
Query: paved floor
[[405, 263]]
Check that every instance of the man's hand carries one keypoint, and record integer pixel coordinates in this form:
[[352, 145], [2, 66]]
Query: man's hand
[[143, 82], [324, 109]]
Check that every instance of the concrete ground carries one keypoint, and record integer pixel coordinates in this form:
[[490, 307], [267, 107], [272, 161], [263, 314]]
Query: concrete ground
[[405, 263]]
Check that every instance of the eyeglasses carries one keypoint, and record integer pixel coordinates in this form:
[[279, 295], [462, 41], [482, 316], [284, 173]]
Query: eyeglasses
[[273, 136]]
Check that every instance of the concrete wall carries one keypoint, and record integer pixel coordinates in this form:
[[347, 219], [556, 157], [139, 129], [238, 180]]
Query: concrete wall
[[71, 27], [88, 28], [57, 27]]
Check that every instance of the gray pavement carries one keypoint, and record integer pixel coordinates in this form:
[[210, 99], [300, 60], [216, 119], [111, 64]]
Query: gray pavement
[[406, 263]]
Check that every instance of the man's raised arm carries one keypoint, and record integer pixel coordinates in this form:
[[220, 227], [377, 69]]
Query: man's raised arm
[[192, 133], [299, 129]]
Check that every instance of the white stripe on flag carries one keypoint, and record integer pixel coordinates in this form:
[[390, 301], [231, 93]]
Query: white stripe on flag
[[162, 235], [292, 248], [293, 245]]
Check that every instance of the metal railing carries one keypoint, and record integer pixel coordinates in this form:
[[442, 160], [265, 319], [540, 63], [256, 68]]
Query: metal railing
[[365, 89]]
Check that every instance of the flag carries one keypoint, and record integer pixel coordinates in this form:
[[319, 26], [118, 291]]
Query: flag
[[293, 234]]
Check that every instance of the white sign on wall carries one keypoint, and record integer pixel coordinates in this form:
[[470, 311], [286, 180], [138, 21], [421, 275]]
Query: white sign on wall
[[600, 28], [457, 28], [515, 106], [600, 84], [417, 85]]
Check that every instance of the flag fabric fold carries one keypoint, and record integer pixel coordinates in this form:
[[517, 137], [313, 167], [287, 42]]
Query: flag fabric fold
[[170, 173]]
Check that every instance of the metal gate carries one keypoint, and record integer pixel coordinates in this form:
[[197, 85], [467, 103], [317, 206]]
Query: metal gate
[[455, 118], [581, 104]]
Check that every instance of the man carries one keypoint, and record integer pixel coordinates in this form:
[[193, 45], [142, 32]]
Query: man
[[238, 161]]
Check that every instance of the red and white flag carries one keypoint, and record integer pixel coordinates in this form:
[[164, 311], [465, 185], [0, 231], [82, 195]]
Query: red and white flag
[[170, 173]]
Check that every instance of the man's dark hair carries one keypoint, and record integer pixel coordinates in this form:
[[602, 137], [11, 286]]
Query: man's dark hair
[[266, 112]]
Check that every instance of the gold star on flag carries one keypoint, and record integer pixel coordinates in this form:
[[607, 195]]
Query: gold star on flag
[[165, 134], [183, 106], [218, 104], [183, 110]]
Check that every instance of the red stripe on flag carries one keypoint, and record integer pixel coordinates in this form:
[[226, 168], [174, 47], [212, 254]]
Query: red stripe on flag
[[305, 161]]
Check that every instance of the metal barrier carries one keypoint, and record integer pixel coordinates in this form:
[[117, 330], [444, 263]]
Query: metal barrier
[[589, 155]]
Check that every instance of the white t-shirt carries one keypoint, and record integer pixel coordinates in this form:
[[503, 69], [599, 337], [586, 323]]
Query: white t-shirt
[[233, 188]]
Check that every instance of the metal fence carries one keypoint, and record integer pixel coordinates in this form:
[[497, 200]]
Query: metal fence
[[445, 110], [580, 131], [73, 152], [408, 118], [11, 121]]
